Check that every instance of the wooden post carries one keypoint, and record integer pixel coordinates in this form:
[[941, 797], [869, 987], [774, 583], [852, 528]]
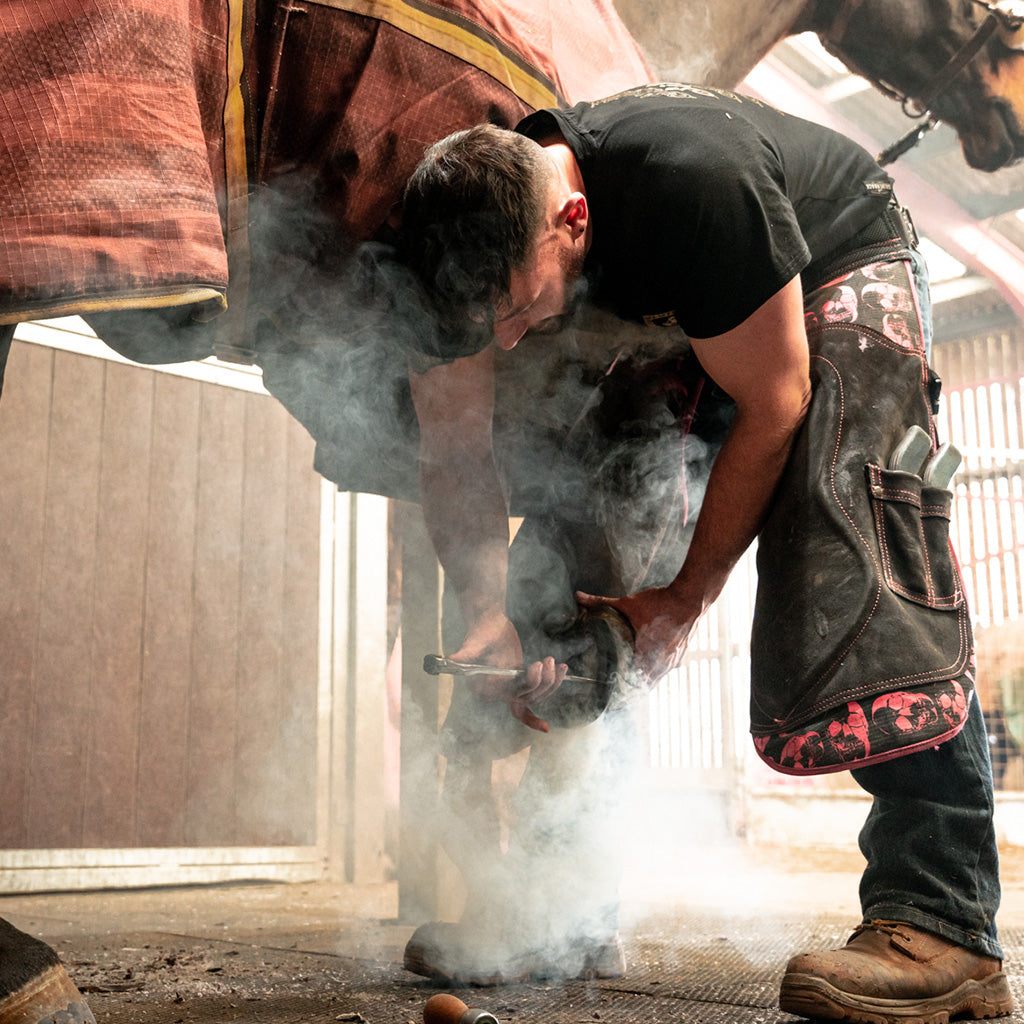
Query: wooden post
[[419, 850]]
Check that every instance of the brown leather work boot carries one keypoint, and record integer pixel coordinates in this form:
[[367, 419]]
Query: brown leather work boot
[[894, 973]]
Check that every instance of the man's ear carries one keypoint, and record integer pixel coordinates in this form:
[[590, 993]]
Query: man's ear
[[574, 212]]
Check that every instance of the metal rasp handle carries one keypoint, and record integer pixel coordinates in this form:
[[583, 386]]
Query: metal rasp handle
[[942, 466], [909, 455], [437, 665]]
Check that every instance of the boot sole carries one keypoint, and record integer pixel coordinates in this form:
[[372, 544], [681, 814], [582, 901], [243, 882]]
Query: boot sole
[[807, 996], [42, 999]]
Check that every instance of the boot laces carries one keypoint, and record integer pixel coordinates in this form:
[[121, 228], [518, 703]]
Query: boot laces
[[885, 927]]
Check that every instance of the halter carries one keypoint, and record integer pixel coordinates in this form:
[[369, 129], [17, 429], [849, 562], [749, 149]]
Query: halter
[[919, 107]]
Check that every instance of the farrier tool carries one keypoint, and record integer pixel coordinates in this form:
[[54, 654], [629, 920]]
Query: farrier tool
[[911, 455], [942, 465], [437, 665]]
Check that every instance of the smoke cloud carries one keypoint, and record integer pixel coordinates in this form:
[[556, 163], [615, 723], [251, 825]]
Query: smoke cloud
[[593, 434]]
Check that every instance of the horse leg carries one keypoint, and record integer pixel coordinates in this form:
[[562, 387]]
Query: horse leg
[[34, 987]]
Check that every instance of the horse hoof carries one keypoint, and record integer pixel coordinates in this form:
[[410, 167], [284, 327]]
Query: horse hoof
[[34, 987]]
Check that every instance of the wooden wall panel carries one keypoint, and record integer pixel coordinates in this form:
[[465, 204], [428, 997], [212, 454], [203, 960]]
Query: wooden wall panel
[[168, 614], [63, 676], [159, 589], [112, 740], [299, 656], [23, 458], [214, 707], [258, 747]]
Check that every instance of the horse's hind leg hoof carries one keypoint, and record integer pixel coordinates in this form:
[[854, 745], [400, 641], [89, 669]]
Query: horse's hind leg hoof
[[34, 987]]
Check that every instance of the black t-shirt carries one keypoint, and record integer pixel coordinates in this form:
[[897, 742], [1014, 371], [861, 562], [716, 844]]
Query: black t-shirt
[[705, 203]]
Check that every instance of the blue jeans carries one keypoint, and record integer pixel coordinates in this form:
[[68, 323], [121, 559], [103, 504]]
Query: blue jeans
[[930, 843], [924, 299]]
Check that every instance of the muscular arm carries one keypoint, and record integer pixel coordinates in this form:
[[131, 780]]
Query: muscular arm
[[463, 501], [763, 364], [466, 514]]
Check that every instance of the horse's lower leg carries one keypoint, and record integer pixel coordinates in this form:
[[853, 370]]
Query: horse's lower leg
[[34, 987]]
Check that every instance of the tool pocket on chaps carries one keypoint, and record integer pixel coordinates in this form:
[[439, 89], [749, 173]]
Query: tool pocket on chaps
[[912, 527]]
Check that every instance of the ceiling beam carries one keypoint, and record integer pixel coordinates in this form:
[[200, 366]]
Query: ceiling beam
[[937, 215]]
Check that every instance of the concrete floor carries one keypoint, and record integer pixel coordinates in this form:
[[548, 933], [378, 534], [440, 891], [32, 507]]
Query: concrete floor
[[707, 946]]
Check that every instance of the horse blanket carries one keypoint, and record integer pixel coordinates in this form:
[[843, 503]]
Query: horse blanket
[[134, 133]]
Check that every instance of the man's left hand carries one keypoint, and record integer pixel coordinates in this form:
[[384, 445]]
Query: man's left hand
[[662, 623]]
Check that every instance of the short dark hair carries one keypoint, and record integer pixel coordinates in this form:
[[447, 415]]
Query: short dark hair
[[471, 214]]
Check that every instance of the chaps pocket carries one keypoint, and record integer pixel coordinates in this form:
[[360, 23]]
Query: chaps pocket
[[912, 527]]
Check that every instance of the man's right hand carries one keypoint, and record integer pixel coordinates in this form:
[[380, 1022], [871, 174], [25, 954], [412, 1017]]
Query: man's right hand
[[467, 516], [496, 642]]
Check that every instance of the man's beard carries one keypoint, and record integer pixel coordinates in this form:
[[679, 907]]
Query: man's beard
[[571, 263]]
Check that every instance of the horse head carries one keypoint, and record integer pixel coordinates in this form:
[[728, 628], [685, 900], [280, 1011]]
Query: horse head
[[960, 61]]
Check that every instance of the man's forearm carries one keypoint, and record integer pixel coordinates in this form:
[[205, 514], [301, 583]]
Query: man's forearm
[[463, 501], [739, 493], [764, 365], [468, 525]]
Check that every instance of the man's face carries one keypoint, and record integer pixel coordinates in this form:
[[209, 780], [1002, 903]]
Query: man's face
[[541, 291]]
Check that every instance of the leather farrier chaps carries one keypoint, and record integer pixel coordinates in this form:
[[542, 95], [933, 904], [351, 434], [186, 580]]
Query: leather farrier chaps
[[861, 647]]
